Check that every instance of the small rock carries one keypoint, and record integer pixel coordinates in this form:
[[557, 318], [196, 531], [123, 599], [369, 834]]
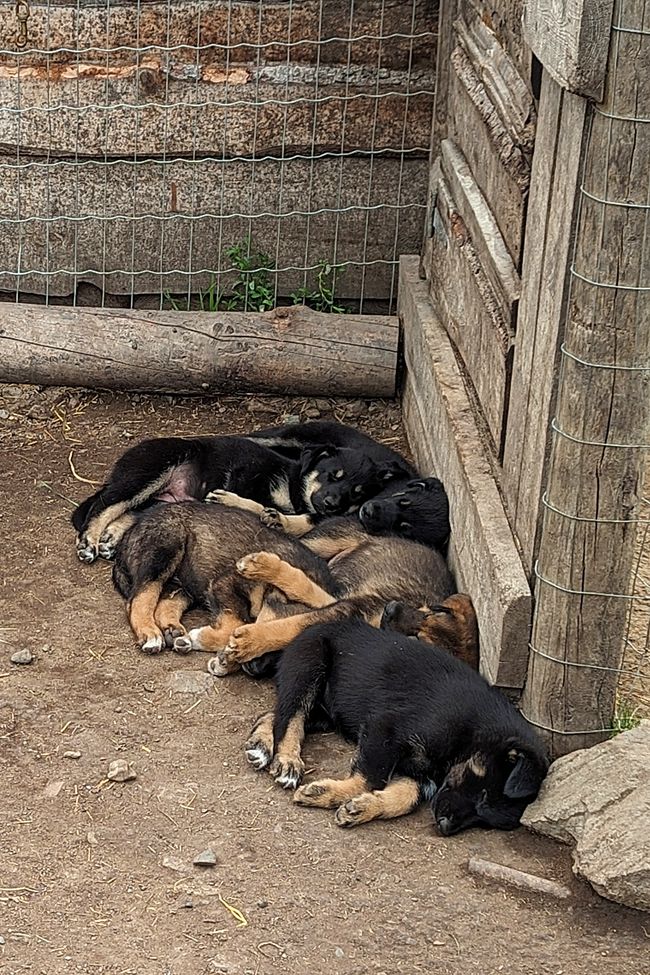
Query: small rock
[[191, 682], [355, 409], [292, 418], [72, 754], [207, 858], [92, 839], [120, 771], [174, 863], [322, 404], [21, 657], [312, 413], [262, 903], [339, 952], [185, 901], [4, 414], [53, 788]]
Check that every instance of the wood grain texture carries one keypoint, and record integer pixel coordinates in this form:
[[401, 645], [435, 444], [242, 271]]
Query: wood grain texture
[[571, 39], [240, 24], [444, 437], [177, 207], [586, 552], [472, 312], [291, 348], [540, 325], [492, 120]]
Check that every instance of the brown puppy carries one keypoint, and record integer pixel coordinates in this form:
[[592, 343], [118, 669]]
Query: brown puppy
[[369, 572]]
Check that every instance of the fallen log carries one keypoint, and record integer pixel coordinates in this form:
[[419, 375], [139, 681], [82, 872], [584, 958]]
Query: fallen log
[[287, 350]]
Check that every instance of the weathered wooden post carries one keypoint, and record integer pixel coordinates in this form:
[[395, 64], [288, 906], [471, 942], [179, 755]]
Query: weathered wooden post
[[601, 427]]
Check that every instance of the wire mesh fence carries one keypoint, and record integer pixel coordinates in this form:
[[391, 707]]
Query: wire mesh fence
[[167, 152], [589, 669]]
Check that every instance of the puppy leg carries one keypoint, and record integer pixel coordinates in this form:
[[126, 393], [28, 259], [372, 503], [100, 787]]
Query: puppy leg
[[259, 746], [400, 797], [294, 583], [330, 793], [253, 639], [212, 639], [287, 766], [169, 613], [231, 500], [113, 535], [141, 611], [296, 525], [88, 540]]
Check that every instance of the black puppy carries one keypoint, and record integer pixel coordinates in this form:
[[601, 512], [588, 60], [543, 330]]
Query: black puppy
[[406, 505], [322, 481], [426, 727]]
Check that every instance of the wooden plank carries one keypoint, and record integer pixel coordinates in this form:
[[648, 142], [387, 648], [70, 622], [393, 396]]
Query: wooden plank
[[107, 216], [473, 313], [550, 221], [504, 19], [492, 121], [483, 228], [445, 438], [595, 477], [69, 116], [571, 39], [291, 348], [238, 26]]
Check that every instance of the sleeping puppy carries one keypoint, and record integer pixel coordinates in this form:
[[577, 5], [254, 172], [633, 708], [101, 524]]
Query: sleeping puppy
[[426, 726], [321, 481], [368, 572], [405, 504], [178, 556]]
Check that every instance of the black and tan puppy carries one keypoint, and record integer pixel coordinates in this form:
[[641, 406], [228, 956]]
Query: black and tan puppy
[[426, 727], [322, 480], [368, 572], [178, 556], [404, 504]]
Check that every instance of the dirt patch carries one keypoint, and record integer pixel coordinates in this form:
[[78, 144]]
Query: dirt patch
[[97, 876]]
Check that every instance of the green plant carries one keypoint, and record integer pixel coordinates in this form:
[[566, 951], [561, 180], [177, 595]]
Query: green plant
[[253, 289], [322, 296], [209, 299], [626, 717]]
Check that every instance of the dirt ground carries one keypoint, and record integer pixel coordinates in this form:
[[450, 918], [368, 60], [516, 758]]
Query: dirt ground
[[97, 877]]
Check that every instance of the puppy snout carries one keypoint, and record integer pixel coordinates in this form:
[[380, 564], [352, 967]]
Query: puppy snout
[[330, 504], [391, 610], [445, 826]]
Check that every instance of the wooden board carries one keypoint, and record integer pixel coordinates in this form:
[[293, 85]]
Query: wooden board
[[540, 326], [444, 437], [227, 352], [587, 550], [243, 111], [241, 25], [492, 120], [571, 39], [473, 312], [104, 243], [504, 19]]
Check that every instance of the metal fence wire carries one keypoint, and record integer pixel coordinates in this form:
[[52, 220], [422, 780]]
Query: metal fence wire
[[168, 152]]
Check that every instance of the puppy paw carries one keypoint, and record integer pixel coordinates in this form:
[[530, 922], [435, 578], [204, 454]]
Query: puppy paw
[[153, 644], [220, 666], [244, 645], [259, 747], [354, 811], [85, 551], [287, 772], [313, 794], [259, 565], [271, 518], [181, 643], [107, 545], [226, 498]]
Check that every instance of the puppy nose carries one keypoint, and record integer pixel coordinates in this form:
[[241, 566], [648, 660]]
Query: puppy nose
[[390, 610], [444, 825]]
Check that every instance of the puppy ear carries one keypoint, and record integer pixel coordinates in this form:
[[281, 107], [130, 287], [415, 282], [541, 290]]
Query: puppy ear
[[391, 470], [528, 771], [310, 455]]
